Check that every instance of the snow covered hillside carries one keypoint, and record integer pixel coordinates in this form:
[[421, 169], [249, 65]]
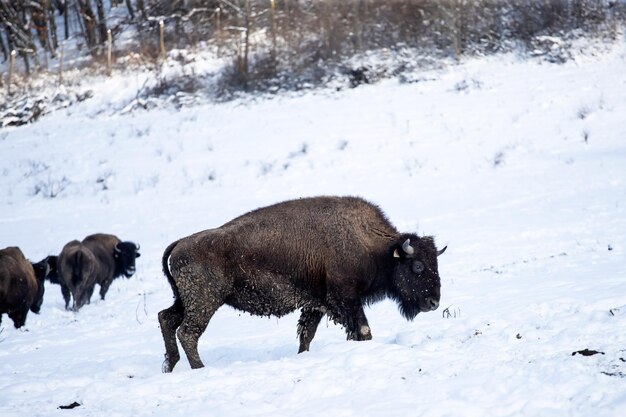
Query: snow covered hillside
[[519, 167]]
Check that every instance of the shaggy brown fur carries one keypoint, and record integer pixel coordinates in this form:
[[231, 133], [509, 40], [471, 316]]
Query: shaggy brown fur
[[21, 285], [98, 259], [324, 255], [76, 266], [115, 258]]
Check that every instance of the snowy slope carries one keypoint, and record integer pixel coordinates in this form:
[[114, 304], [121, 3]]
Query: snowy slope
[[520, 167]]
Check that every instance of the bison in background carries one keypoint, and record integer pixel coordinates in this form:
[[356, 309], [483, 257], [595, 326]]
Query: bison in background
[[98, 259], [76, 268], [21, 285], [54, 278], [324, 256]]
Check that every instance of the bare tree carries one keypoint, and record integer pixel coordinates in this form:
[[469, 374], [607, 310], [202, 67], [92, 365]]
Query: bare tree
[[5, 51], [14, 19], [102, 24], [89, 27], [131, 12]]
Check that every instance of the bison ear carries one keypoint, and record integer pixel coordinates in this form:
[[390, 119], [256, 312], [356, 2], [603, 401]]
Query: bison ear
[[137, 255], [397, 252]]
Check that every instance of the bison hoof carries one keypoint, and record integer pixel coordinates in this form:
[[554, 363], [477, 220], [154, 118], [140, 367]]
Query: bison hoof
[[166, 368], [168, 365], [365, 333]]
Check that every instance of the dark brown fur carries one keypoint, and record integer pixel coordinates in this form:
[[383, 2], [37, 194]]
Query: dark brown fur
[[324, 255], [115, 258], [76, 266], [21, 285], [98, 259]]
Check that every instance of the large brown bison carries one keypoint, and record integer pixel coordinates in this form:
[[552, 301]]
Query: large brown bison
[[76, 266], [323, 255], [21, 285], [98, 259]]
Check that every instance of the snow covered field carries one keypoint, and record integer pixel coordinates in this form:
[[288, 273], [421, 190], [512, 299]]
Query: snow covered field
[[519, 167]]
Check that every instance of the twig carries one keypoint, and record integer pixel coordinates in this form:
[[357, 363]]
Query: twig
[[144, 309]]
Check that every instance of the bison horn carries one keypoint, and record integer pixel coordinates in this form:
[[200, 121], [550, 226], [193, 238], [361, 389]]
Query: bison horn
[[137, 246], [117, 249], [406, 246], [439, 252], [396, 254]]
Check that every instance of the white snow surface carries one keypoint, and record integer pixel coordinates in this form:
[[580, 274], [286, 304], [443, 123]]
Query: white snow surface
[[518, 166]]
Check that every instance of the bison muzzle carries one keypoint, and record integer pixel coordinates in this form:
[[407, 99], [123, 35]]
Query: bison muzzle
[[323, 255]]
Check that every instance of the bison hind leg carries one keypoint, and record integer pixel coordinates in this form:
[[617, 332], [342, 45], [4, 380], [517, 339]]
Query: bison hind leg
[[66, 295], [196, 318], [170, 319], [307, 326]]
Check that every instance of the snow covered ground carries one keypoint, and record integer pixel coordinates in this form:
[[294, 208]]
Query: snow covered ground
[[519, 167]]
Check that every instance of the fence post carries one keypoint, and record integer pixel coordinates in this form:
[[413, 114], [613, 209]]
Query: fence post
[[273, 28], [357, 25], [61, 63], [162, 39], [110, 47], [11, 64], [218, 16], [219, 19]]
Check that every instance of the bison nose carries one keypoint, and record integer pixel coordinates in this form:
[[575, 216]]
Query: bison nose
[[432, 303]]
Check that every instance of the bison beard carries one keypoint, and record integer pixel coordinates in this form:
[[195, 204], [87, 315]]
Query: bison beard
[[324, 255]]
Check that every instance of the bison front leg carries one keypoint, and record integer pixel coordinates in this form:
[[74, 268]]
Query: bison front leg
[[355, 323], [307, 326], [104, 287], [19, 317], [363, 331]]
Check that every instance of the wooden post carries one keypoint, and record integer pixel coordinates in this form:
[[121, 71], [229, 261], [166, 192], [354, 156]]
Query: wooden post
[[357, 25], [162, 39], [218, 12], [247, 44], [61, 63], [327, 29], [273, 28], [110, 47], [11, 64]]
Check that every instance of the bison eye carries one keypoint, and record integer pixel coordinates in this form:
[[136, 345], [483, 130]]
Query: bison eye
[[418, 267]]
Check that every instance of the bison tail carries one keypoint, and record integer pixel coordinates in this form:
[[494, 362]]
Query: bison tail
[[166, 270], [77, 268]]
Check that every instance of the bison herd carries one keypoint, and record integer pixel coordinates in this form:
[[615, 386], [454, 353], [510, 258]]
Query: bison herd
[[322, 255], [98, 259]]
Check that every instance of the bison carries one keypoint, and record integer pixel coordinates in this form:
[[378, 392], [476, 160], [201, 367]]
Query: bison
[[53, 274], [98, 259], [322, 255], [21, 285]]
